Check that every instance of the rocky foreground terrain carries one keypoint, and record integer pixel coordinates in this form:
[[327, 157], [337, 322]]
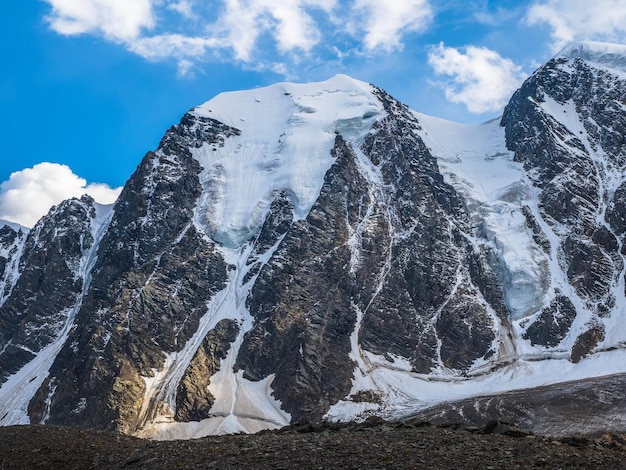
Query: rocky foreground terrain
[[373, 444]]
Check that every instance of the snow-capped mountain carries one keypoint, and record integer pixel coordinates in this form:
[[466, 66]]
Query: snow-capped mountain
[[320, 251]]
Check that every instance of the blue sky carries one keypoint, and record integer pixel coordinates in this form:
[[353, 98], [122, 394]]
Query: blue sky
[[87, 87]]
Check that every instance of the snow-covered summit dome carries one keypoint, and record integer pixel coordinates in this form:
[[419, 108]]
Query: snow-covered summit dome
[[285, 135]]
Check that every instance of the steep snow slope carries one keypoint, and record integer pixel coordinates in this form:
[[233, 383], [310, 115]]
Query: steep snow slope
[[15, 226], [603, 55], [287, 132], [475, 160]]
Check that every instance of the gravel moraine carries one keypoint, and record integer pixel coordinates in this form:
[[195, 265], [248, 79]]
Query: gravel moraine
[[374, 445]]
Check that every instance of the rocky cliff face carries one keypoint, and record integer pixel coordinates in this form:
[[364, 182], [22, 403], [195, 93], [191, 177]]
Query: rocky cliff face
[[567, 125], [149, 286], [381, 251], [11, 245], [43, 276], [308, 252]]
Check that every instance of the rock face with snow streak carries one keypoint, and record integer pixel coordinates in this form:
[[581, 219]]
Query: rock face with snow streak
[[149, 285], [43, 287], [566, 125], [320, 251], [12, 239]]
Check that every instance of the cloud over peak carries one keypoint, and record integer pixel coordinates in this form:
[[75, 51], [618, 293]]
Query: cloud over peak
[[573, 20]]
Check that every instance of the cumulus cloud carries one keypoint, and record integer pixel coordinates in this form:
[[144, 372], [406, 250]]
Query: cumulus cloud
[[242, 23], [237, 28], [573, 20], [29, 194], [118, 20], [289, 23], [191, 31], [480, 78], [385, 23]]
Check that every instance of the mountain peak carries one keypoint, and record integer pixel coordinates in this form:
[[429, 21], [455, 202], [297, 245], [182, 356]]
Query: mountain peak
[[599, 53], [286, 133], [337, 83], [15, 226]]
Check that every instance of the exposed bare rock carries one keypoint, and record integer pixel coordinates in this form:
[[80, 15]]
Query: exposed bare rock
[[553, 324], [320, 252], [587, 341], [193, 400]]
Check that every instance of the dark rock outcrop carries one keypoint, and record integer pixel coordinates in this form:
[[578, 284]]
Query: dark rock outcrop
[[587, 341], [149, 287], [50, 283], [381, 251], [564, 164], [193, 400], [553, 323], [302, 309]]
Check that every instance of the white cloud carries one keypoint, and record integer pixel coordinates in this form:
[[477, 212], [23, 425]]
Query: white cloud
[[118, 20], [575, 20], [385, 23], [239, 26], [172, 45], [248, 31], [288, 23], [183, 7], [186, 68], [480, 78], [29, 194], [295, 28]]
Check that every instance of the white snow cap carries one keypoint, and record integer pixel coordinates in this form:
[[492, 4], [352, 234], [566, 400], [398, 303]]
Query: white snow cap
[[600, 53], [287, 133]]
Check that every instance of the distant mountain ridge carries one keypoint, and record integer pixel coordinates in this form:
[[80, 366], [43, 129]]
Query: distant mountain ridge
[[320, 251]]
